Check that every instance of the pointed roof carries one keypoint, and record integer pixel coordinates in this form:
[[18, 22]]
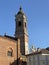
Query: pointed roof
[[20, 11]]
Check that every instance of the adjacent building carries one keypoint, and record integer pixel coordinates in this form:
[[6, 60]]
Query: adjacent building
[[39, 57], [9, 49]]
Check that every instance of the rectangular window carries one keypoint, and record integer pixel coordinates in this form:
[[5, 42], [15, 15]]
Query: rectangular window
[[9, 53]]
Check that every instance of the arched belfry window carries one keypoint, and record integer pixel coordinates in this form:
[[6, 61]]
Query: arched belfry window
[[19, 24], [10, 52]]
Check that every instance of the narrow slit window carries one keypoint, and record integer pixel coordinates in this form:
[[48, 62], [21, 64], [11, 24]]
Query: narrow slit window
[[25, 24]]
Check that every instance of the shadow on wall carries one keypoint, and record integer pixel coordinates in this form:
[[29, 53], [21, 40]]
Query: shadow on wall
[[18, 62]]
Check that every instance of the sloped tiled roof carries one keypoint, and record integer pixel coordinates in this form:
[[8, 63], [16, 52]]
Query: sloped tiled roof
[[44, 51], [9, 37]]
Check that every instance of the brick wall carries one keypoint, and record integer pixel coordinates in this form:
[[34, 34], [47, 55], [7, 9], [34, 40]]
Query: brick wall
[[5, 45]]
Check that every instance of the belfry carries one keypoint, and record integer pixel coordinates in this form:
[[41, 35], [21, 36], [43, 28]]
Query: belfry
[[21, 31]]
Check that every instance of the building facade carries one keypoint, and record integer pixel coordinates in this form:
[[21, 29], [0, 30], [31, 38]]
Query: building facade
[[8, 50], [38, 58]]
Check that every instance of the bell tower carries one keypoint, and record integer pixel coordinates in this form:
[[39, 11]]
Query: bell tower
[[21, 31]]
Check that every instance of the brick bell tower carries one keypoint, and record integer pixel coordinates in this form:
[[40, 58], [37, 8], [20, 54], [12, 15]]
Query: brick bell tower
[[21, 31]]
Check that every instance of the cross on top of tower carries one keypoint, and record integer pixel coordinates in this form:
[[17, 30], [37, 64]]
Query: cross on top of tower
[[20, 8]]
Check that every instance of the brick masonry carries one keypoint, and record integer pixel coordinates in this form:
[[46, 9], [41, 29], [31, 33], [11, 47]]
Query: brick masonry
[[5, 45]]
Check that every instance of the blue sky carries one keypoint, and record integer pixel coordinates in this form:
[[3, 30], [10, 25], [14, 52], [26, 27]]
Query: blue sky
[[37, 12]]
